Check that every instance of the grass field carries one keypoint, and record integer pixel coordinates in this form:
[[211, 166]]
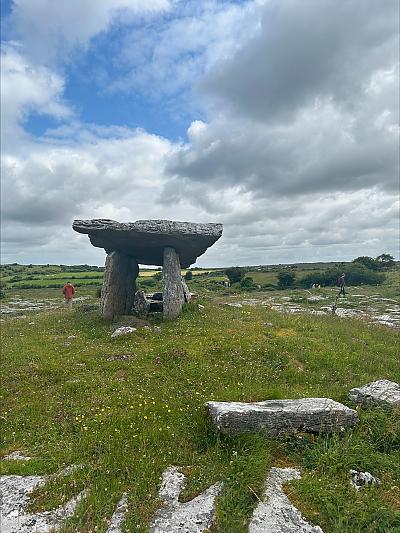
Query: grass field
[[65, 402]]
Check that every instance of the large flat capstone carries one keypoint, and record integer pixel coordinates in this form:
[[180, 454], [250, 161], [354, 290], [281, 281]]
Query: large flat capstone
[[276, 417], [382, 392], [145, 240]]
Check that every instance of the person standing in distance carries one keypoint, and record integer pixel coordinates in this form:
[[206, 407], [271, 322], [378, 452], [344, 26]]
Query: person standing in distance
[[341, 284], [68, 292]]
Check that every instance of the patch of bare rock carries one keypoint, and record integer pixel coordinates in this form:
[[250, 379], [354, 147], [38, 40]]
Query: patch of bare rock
[[382, 392], [194, 516], [277, 417], [275, 513]]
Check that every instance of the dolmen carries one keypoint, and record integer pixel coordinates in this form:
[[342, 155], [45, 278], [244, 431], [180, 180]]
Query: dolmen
[[170, 244], [278, 417]]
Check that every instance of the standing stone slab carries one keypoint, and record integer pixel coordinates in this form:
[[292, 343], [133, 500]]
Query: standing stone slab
[[119, 285], [186, 292], [382, 392], [172, 284], [277, 417], [195, 516], [275, 513]]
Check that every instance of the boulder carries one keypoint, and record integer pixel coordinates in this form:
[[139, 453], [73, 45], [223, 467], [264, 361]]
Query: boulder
[[145, 240], [382, 392], [277, 417]]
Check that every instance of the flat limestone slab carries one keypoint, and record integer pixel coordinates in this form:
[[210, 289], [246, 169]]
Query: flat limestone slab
[[145, 240], [382, 392], [275, 513], [276, 417]]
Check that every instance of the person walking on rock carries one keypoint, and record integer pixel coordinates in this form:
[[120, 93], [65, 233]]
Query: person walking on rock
[[341, 284], [68, 292]]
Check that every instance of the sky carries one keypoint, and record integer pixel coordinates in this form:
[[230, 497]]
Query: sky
[[277, 118]]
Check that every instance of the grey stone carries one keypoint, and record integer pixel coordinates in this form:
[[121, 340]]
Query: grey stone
[[276, 417], [361, 479], [16, 456], [275, 513], [118, 516], [141, 305], [186, 292], [172, 284], [123, 330], [119, 285], [382, 392], [15, 518], [194, 516], [145, 240]]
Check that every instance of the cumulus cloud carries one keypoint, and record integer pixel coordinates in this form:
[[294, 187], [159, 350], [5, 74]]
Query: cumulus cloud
[[297, 155], [305, 113], [27, 88], [48, 28]]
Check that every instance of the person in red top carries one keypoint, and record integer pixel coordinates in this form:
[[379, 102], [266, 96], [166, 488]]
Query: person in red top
[[68, 292]]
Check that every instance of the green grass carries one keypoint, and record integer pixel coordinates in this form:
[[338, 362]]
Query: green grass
[[125, 421]]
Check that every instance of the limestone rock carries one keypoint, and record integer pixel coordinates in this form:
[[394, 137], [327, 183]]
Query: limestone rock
[[16, 456], [118, 516], [382, 392], [186, 292], [14, 516], [141, 306], [123, 330], [362, 479], [276, 417], [145, 240], [173, 296], [275, 513], [119, 285], [194, 516]]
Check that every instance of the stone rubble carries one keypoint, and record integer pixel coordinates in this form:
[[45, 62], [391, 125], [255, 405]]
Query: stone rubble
[[382, 392], [195, 516], [275, 513]]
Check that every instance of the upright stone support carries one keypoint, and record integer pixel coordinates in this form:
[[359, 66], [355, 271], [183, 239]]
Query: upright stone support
[[172, 284], [119, 285]]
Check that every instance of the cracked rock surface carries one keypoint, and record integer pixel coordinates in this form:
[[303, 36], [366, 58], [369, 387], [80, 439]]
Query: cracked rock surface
[[383, 392], [276, 417], [275, 514], [15, 518], [194, 516]]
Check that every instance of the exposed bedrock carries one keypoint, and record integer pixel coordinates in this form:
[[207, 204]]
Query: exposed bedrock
[[145, 240], [119, 285], [277, 417]]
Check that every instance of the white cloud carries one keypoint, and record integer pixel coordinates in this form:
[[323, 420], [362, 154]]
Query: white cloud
[[27, 88], [50, 27]]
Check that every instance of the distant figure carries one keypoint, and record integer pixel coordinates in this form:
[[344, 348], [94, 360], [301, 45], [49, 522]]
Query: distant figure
[[68, 292], [341, 284]]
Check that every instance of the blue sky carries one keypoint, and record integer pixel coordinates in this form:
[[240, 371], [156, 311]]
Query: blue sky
[[278, 118]]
